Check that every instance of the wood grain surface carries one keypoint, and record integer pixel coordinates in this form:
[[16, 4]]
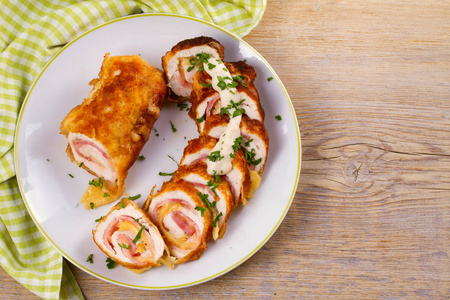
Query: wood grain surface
[[370, 82]]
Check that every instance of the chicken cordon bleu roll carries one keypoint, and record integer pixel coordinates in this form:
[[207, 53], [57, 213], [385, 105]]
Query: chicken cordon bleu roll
[[205, 99], [182, 218], [184, 60], [108, 130], [127, 235], [214, 192]]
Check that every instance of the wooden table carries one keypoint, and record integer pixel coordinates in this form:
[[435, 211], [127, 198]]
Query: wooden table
[[370, 82]]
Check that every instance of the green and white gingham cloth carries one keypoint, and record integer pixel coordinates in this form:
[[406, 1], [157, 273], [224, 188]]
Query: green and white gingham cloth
[[31, 32]]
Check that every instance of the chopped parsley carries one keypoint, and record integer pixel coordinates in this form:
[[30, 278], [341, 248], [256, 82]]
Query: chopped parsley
[[216, 219], [173, 160], [141, 157], [250, 157], [80, 165], [211, 205], [124, 246], [71, 175], [99, 219], [91, 205], [214, 155], [270, 78], [121, 204], [278, 117], [89, 258], [201, 210], [199, 120], [166, 174], [173, 127], [97, 184], [135, 197], [239, 79], [247, 143], [106, 195], [110, 263], [138, 235], [233, 105], [199, 57], [182, 106], [205, 84]]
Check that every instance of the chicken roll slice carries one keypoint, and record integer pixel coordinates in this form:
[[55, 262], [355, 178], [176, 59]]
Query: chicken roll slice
[[184, 60], [214, 192], [183, 219], [254, 140], [206, 100], [127, 235]]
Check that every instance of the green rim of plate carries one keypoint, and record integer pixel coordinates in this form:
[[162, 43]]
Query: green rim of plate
[[193, 282]]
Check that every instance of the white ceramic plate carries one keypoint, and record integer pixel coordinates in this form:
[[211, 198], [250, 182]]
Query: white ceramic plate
[[52, 195]]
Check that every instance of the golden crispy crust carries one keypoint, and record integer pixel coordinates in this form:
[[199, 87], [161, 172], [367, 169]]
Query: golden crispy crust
[[120, 111]]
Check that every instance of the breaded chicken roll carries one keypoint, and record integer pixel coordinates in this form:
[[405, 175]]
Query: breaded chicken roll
[[108, 130]]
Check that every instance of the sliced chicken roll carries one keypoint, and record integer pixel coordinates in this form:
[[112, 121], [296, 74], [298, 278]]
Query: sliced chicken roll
[[214, 192], [238, 178], [206, 100], [254, 141], [184, 60], [108, 130], [183, 219], [127, 235]]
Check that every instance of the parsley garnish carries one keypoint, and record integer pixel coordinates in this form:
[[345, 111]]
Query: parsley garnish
[[121, 204], [173, 127], [211, 205], [97, 184], [141, 157], [135, 197], [173, 159], [233, 105], [110, 263], [71, 175], [205, 84], [124, 246], [106, 195], [166, 174], [89, 258], [278, 117], [201, 209], [269, 79], [240, 78], [199, 120], [138, 235], [215, 155], [247, 143], [99, 219], [201, 57], [80, 165], [216, 219], [182, 106], [91, 205], [250, 157]]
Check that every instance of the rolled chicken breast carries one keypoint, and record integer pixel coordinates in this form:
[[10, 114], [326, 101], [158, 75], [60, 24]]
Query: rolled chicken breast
[[182, 218], [184, 60], [108, 130], [127, 235]]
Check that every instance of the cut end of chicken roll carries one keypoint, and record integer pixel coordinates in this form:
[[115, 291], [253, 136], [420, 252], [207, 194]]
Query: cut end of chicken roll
[[183, 61], [127, 235]]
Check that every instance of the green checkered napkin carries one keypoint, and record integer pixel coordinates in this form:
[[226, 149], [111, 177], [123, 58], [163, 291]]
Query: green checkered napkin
[[31, 32]]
